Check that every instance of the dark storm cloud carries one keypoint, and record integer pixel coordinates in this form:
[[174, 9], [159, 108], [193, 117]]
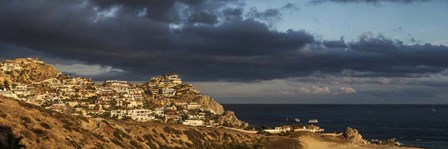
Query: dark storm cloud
[[201, 40], [335, 43], [366, 1], [203, 17], [270, 16], [161, 10], [290, 6], [231, 14]]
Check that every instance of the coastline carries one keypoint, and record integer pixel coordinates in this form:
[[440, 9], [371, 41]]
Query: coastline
[[88, 132], [374, 122]]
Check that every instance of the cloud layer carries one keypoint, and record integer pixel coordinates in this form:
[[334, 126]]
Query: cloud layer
[[367, 1], [202, 40]]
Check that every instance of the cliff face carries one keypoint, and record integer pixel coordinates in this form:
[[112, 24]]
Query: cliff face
[[42, 128], [210, 104]]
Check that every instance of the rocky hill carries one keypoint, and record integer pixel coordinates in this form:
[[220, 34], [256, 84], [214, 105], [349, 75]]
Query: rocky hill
[[42, 128], [164, 90], [23, 124], [27, 70]]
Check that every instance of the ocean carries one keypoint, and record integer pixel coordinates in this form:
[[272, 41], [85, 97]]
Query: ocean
[[412, 125]]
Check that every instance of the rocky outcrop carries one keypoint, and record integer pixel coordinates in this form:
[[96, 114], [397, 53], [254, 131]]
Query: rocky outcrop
[[210, 104], [229, 119], [352, 135], [29, 70]]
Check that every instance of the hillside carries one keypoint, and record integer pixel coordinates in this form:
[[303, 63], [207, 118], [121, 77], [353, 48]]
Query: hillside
[[41, 128], [43, 108], [163, 98]]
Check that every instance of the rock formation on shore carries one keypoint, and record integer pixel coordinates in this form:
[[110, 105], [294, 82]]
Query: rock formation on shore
[[352, 135]]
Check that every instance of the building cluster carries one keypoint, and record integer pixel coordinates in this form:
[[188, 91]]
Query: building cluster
[[170, 86], [16, 65], [112, 98], [164, 85], [286, 128]]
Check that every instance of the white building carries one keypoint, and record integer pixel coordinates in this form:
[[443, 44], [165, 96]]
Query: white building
[[193, 105], [194, 122], [136, 114], [72, 103], [310, 128], [174, 79], [140, 114], [117, 83], [21, 90], [168, 92], [279, 129], [135, 103], [8, 94], [8, 67], [118, 113]]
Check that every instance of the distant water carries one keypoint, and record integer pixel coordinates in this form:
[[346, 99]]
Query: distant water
[[414, 125]]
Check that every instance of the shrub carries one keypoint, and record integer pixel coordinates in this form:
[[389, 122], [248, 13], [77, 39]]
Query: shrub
[[136, 144], [228, 137], [164, 138], [150, 144], [26, 120], [39, 132], [66, 126], [45, 125], [171, 130], [148, 137], [99, 137], [140, 139], [2, 114], [115, 141], [117, 135], [194, 136]]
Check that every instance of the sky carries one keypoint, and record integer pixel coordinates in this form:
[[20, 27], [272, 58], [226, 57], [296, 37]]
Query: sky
[[245, 51]]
